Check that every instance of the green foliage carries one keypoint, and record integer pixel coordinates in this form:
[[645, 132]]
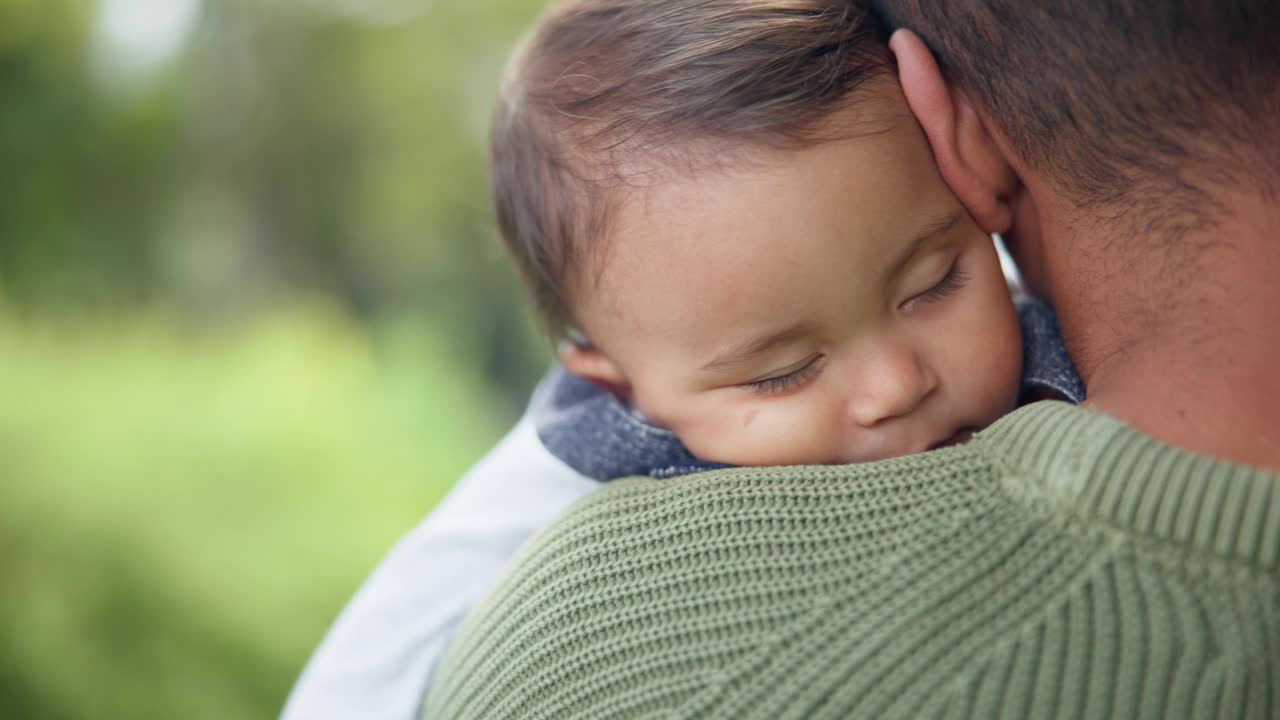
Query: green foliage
[[253, 325], [288, 149], [183, 516]]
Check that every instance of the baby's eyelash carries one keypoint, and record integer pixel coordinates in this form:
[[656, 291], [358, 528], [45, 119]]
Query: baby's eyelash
[[951, 282], [787, 381]]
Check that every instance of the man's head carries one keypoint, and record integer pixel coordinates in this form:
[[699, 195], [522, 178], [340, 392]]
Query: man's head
[[1123, 103], [1144, 140]]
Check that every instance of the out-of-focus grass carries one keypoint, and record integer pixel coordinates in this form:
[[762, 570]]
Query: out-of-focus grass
[[181, 516]]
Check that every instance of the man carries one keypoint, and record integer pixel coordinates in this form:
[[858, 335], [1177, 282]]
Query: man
[[1120, 560]]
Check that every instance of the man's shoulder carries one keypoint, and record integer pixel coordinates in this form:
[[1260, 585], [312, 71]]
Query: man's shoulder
[[869, 589]]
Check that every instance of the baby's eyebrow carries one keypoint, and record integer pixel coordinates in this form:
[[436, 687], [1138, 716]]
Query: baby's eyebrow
[[933, 230], [743, 351]]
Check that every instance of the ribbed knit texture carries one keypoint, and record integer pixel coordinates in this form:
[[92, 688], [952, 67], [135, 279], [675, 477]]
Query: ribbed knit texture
[[1059, 565]]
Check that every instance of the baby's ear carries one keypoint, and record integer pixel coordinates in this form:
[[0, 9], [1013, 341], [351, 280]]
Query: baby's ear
[[969, 159], [586, 362]]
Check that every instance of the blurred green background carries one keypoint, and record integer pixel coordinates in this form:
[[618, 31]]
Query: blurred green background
[[253, 325]]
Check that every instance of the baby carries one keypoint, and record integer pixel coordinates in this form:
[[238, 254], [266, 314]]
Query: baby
[[729, 210]]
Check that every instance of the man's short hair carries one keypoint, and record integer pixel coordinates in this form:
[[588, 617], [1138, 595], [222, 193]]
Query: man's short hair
[[1121, 102]]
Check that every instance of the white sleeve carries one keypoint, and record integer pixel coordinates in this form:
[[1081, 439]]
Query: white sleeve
[[376, 659]]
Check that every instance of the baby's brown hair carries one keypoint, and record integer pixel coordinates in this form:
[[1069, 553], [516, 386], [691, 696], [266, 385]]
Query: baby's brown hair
[[605, 90]]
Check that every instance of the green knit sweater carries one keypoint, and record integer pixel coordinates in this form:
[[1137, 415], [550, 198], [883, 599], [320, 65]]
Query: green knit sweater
[[1058, 565]]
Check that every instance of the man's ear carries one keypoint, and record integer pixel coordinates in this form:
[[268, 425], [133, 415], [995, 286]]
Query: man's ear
[[968, 158], [594, 366]]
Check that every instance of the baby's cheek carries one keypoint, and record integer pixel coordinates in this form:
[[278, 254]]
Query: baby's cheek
[[785, 434], [1001, 373]]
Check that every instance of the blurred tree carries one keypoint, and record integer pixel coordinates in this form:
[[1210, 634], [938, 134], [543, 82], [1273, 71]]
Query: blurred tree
[[85, 182], [253, 323], [290, 150]]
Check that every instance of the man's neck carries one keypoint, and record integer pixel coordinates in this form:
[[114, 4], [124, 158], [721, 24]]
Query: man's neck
[[1189, 357], [1232, 416]]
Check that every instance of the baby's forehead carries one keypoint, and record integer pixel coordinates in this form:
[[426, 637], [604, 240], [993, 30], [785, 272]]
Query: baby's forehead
[[787, 229]]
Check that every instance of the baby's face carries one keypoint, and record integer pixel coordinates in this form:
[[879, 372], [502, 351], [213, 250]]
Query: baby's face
[[835, 304]]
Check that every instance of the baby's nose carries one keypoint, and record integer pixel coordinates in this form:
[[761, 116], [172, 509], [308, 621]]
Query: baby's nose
[[889, 385]]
